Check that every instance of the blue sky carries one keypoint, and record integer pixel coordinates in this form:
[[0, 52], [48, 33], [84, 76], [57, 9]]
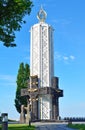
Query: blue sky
[[68, 20]]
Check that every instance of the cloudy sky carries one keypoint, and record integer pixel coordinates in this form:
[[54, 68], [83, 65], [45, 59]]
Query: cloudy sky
[[68, 20]]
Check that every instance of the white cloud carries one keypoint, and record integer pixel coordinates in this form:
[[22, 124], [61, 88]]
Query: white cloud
[[64, 58], [55, 21], [65, 21], [7, 77], [27, 58], [72, 57], [57, 56], [68, 59], [62, 22], [7, 84], [7, 80]]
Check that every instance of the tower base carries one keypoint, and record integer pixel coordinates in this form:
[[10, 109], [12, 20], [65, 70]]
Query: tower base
[[44, 101]]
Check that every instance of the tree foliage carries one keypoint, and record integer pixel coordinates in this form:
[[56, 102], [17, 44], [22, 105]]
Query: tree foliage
[[11, 19], [22, 77]]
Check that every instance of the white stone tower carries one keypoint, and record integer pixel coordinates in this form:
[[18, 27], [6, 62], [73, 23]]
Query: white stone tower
[[41, 61], [42, 84]]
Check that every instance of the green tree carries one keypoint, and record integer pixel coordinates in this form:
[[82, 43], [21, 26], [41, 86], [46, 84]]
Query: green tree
[[22, 77], [12, 13]]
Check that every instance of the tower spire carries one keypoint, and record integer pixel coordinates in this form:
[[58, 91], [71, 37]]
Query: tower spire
[[41, 6], [41, 15]]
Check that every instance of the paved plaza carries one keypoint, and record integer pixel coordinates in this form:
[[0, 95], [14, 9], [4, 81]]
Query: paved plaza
[[52, 126]]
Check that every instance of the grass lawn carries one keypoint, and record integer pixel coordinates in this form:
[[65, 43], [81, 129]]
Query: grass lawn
[[77, 126], [19, 127]]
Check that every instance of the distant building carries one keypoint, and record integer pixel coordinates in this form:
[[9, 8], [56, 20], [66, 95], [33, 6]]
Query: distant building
[[43, 89]]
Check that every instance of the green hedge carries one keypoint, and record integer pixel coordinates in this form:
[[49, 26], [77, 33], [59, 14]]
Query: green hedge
[[77, 126]]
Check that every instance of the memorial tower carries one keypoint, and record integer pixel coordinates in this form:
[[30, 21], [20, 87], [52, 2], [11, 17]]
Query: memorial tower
[[42, 71]]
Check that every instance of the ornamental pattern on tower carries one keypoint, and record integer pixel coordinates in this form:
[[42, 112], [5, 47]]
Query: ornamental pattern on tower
[[45, 67], [35, 54]]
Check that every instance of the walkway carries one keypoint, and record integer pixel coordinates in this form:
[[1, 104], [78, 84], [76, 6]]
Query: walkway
[[52, 126]]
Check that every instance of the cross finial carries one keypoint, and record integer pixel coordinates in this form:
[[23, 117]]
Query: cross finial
[[41, 6]]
